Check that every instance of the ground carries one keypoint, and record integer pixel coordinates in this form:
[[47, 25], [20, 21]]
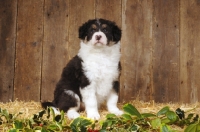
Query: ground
[[31, 107]]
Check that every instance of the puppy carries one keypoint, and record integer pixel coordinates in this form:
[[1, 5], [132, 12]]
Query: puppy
[[91, 77]]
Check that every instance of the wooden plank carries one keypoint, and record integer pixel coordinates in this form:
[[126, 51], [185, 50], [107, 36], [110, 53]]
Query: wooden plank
[[136, 50], [166, 50], [109, 9], [8, 13], [189, 51], [55, 52], [28, 50]]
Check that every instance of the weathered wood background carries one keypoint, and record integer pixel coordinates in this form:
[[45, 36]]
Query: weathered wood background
[[160, 46]]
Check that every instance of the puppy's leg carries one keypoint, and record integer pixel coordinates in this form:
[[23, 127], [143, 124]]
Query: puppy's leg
[[90, 101], [72, 112], [112, 103], [69, 102]]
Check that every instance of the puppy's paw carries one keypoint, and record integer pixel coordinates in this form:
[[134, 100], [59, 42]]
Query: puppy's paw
[[116, 111], [72, 114], [56, 111], [93, 115]]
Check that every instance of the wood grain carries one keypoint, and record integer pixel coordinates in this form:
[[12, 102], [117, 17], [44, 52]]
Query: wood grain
[[190, 51], [110, 10], [166, 51], [28, 50], [8, 15], [55, 52], [136, 50]]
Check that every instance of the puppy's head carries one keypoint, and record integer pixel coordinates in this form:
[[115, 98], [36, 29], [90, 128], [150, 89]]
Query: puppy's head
[[100, 32]]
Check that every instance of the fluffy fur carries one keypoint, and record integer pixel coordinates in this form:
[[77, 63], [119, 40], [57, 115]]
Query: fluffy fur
[[91, 77]]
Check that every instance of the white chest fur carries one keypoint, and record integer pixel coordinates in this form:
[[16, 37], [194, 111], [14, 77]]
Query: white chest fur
[[100, 65], [100, 62]]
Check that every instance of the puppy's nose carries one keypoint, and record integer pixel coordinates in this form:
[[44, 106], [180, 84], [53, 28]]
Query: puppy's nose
[[98, 37]]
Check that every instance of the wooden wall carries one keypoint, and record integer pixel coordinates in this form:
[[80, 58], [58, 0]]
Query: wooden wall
[[160, 46]]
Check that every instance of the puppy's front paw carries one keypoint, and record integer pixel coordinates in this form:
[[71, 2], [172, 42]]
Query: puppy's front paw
[[72, 114], [116, 112], [93, 115]]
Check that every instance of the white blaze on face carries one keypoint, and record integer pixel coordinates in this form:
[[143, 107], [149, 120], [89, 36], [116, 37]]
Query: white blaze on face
[[99, 39]]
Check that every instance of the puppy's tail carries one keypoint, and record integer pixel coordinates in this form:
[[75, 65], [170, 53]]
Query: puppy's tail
[[47, 104]]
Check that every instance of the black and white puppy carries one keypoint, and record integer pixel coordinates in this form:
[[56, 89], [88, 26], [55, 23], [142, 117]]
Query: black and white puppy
[[91, 77]]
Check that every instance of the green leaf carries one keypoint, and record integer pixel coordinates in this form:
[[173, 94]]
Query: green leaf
[[134, 128], [53, 113], [156, 123], [53, 127], [146, 115], [163, 111], [126, 117], [104, 125], [110, 116], [130, 109], [18, 124], [13, 130], [74, 128], [80, 123], [171, 116], [62, 113], [107, 123], [76, 121], [165, 128], [191, 128], [5, 114], [165, 120], [85, 122], [59, 126]]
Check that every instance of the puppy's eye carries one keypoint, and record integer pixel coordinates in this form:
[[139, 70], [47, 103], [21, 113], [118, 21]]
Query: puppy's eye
[[93, 30], [105, 30]]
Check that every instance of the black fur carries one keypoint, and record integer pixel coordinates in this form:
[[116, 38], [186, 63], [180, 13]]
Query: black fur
[[83, 30], [71, 79], [116, 33], [116, 86]]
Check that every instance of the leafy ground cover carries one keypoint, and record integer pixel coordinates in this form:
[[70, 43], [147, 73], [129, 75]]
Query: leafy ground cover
[[165, 119]]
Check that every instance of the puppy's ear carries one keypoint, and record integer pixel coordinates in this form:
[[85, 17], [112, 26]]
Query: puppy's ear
[[83, 31], [117, 33]]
